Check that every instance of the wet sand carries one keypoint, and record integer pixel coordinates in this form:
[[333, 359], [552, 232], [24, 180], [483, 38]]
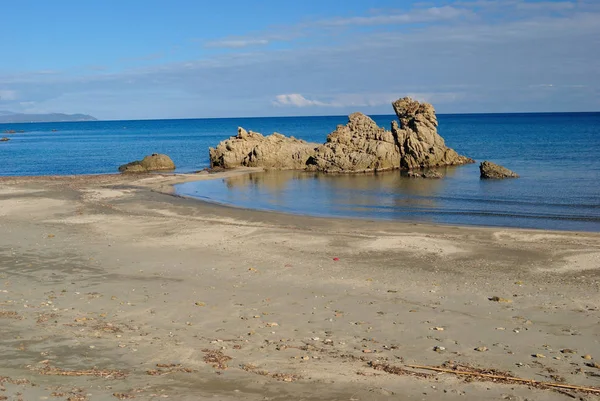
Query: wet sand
[[112, 288]]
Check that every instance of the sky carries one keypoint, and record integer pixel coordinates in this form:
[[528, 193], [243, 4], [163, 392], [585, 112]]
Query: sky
[[150, 59]]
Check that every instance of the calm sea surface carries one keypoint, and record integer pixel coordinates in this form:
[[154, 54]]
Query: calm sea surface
[[557, 156]]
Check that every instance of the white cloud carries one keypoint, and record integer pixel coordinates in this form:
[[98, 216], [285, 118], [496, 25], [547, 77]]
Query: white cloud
[[6, 94], [431, 14], [296, 100], [290, 33], [437, 97], [237, 43], [546, 6], [416, 16], [358, 100]]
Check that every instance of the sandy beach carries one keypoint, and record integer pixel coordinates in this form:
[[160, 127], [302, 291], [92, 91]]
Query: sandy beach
[[113, 288]]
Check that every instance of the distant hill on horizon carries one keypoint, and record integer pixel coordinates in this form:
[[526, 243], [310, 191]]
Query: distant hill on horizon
[[10, 117]]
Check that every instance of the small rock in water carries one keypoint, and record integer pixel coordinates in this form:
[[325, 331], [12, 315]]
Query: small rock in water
[[489, 170]]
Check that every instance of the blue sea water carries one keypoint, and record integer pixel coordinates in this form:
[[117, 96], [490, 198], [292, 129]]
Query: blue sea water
[[556, 154]]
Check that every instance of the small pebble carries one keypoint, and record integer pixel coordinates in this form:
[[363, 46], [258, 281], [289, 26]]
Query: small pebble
[[587, 357], [567, 351], [439, 348], [539, 356], [481, 349], [501, 300]]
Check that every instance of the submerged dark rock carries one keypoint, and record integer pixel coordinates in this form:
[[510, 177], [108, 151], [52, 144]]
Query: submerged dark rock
[[432, 174]]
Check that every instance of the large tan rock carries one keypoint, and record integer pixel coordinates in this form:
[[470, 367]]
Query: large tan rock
[[251, 149], [420, 144], [359, 146], [495, 171], [154, 162]]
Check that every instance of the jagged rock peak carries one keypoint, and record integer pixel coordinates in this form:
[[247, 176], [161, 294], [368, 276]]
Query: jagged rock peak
[[358, 146], [420, 144]]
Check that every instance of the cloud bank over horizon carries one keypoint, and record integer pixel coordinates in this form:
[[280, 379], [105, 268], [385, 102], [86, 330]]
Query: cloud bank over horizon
[[303, 59]]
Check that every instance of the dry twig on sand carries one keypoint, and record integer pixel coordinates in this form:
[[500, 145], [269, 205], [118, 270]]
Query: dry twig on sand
[[167, 368], [107, 374], [216, 358], [502, 377]]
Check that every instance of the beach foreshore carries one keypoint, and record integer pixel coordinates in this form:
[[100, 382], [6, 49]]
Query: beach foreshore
[[113, 288]]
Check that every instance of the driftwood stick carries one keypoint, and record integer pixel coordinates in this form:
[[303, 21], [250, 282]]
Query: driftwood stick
[[511, 378]]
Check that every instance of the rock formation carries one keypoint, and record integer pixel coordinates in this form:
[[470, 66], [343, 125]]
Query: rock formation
[[357, 147], [154, 162], [494, 171], [251, 149], [420, 144]]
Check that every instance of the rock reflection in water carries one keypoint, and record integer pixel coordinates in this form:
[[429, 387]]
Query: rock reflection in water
[[391, 193]]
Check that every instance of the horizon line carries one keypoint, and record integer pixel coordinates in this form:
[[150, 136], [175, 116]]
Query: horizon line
[[300, 116]]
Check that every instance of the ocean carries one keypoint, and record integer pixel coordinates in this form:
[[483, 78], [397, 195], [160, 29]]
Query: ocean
[[556, 154]]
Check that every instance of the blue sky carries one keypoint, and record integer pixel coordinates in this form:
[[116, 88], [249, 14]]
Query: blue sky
[[183, 59]]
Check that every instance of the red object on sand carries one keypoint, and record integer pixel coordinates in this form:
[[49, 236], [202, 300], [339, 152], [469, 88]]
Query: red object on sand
[[336, 259]]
